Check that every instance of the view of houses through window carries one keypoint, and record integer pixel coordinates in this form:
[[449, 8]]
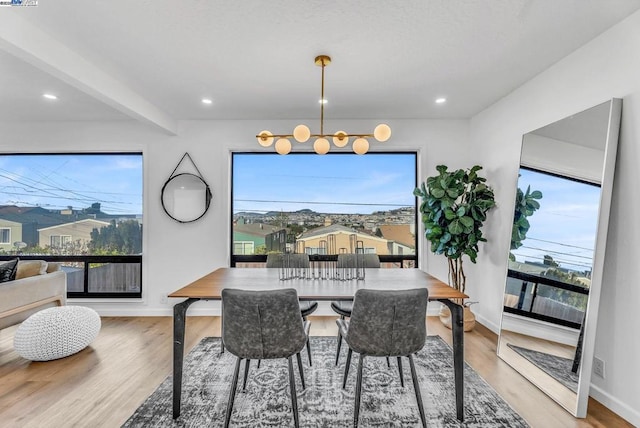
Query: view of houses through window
[[81, 210], [325, 205]]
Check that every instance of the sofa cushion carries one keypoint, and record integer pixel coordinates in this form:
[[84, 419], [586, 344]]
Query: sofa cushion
[[8, 270], [27, 268]]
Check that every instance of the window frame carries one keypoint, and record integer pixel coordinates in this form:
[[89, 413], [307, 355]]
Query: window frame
[[86, 260], [262, 258]]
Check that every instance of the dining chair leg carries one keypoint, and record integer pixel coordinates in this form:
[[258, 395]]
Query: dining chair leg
[[356, 409], [346, 369], [309, 351], [259, 363], [246, 374], [232, 394], [416, 386], [301, 370], [400, 371], [388, 363], [294, 398], [338, 349]]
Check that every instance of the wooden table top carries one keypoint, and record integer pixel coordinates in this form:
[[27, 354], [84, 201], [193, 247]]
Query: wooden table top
[[210, 286]]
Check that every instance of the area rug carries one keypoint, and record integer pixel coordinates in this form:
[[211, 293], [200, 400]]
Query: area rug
[[558, 368], [267, 403]]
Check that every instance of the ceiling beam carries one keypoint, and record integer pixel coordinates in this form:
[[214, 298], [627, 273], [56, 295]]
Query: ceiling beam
[[30, 44]]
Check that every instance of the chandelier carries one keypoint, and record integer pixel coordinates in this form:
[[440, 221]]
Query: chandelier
[[321, 145]]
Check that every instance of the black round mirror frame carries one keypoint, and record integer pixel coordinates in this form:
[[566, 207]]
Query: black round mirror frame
[[208, 197]]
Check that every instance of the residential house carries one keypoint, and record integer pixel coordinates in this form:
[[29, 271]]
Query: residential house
[[401, 237], [21, 224], [251, 237], [75, 233], [337, 239]]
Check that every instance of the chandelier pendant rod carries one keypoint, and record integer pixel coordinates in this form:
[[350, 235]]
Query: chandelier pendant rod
[[322, 100]]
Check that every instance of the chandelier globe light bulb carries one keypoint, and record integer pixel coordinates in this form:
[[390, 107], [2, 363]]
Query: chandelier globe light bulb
[[382, 132], [283, 146], [360, 146], [340, 139], [265, 138], [301, 133], [321, 146]]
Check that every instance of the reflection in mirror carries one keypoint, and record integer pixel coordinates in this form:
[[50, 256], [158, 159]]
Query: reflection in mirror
[[186, 197], [554, 273]]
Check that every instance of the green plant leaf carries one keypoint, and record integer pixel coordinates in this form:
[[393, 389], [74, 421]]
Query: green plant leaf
[[441, 169], [467, 221], [437, 193], [453, 193], [455, 227], [449, 214]]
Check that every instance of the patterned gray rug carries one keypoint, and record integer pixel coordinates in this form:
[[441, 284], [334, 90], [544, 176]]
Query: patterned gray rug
[[266, 403], [558, 368]]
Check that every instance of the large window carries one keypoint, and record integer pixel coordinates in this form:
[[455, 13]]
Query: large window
[[81, 210], [324, 205]]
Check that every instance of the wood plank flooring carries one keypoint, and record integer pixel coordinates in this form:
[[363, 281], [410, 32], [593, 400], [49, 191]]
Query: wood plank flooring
[[102, 385]]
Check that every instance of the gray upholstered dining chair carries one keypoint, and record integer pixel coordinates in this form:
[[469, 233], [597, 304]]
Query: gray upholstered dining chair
[[385, 323], [307, 307], [344, 307], [263, 325]]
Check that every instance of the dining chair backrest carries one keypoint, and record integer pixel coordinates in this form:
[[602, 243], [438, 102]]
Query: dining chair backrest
[[287, 260], [388, 322], [262, 324], [358, 260]]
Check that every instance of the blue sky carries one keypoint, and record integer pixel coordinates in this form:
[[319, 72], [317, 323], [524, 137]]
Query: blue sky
[[59, 181], [333, 183], [565, 225]]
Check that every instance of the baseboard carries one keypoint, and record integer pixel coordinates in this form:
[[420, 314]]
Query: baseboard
[[485, 322], [615, 405]]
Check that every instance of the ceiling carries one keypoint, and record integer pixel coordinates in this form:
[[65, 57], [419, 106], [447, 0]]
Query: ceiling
[[154, 60]]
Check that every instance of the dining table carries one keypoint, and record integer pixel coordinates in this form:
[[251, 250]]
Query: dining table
[[210, 286]]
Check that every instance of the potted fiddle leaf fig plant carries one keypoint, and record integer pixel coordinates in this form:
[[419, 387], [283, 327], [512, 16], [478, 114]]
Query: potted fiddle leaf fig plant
[[454, 207]]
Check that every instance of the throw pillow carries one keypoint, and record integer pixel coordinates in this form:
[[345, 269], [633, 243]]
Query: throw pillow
[[8, 270], [27, 268]]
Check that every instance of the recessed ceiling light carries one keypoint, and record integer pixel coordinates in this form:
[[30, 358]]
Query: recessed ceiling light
[[322, 101], [441, 100], [50, 96], [207, 101]]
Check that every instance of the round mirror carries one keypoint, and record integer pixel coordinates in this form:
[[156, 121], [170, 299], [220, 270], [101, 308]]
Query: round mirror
[[186, 197]]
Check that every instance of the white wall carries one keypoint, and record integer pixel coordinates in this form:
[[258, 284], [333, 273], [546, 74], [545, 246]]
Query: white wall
[[176, 254], [607, 67]]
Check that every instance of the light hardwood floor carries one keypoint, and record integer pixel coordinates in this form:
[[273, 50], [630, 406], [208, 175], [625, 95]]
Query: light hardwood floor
[[102, 385]]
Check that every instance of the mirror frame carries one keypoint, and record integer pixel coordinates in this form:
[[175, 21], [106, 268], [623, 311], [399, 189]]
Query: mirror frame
[[590, 320], [207, 195]]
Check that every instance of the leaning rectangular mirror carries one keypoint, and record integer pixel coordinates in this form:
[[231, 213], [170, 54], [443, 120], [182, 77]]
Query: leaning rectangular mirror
[[554, 274]]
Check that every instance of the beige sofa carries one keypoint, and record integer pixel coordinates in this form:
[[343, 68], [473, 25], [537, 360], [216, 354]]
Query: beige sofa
[[38, 285]]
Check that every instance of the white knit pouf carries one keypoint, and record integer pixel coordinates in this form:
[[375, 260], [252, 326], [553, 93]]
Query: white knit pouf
[[56, 333]]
